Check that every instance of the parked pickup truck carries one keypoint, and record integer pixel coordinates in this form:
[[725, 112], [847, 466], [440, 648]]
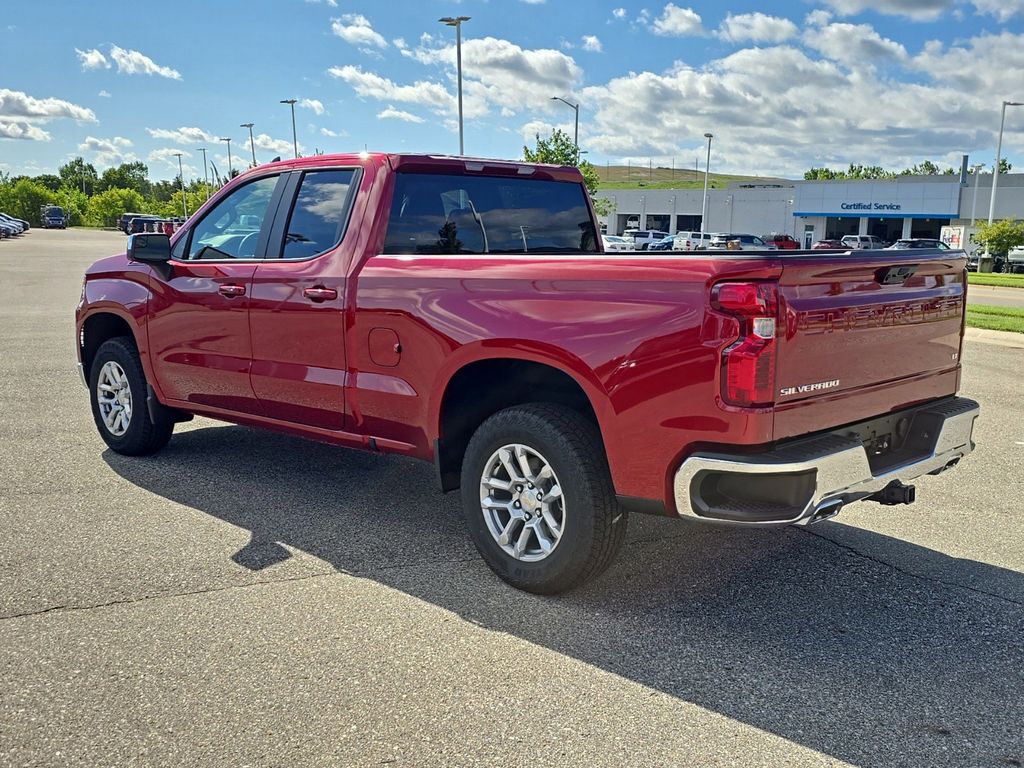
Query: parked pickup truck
[[461, 311]]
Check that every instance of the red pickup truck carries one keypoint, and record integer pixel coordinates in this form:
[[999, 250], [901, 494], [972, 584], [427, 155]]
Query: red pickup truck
[[461, 311]]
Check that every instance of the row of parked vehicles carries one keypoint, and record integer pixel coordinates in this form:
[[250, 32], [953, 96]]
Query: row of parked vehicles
[[134, 223], [11, 226], [654, 240]]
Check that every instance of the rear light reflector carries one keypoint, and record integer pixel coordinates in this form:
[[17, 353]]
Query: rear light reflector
[[748, 364]]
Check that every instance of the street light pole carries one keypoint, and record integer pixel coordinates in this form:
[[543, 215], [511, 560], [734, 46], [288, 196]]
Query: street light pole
[[977, 178], [704, 202], [576, 131], [231, 170], [181, 178], [457, 23], [295, 139], [206, 176], [252, 142], [999, 159]]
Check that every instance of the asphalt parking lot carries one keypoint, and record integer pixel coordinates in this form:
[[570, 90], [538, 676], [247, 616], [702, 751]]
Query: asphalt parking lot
[[250, 599]]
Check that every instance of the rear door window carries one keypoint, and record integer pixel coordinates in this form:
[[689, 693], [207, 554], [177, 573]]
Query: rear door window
[[317, 220], [451, 214]]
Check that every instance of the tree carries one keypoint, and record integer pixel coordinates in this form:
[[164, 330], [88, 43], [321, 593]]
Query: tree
[[560, 149], [49, 180], [24, 199], [1000, 237], [823, 174], [105, 208], [1005, 166], [126, 176], [79, 173]]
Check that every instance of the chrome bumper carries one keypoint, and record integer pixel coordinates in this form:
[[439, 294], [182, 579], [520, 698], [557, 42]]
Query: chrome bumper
[[821, 473]]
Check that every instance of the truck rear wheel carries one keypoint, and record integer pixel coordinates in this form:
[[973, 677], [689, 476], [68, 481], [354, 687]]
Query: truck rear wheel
[[539, 500], [118, 391]]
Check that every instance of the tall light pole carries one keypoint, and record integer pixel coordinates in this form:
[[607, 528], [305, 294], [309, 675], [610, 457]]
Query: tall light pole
[[206, 177], [181, 178], [230, 168], [999, 159], [457, 23], [295, 138], [704, 202], [576, 132], [252, 141], [976, 169]]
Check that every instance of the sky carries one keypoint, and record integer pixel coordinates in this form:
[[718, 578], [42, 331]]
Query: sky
[[783, 86]]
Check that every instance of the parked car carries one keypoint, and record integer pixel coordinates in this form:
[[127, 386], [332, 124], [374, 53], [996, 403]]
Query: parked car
[[16, 226], [52, 217], [144, 223], [692, 241], [863, 242], [472, 324], [667, 243], [616, 243], [125, 220], [918, 242], [783, 242], [828, 244], [644, 238], [739, 242], [1014, 260]]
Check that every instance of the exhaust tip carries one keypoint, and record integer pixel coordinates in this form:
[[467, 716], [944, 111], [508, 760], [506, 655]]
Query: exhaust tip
[[826, 510]]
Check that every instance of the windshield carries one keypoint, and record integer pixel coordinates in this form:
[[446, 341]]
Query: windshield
[[55, 211]]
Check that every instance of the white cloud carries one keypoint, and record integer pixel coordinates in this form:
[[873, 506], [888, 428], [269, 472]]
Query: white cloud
[[757, 27], [282, 147], [677, 22], [183, 135], [533, 2], [135, 63], [315, 105], [355, 28], [592, 43], [390, 113], [619, 13], [372, 85], [108, 152], [104, 93], [854, 45], [166, 155], [332, 3], [919, 10], [92, 59], [1003, 10], [329, 133], [20, 105], [22, 129]]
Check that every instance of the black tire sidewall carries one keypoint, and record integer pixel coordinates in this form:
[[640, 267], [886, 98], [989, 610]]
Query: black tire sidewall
[[570, 557], [120, 352]]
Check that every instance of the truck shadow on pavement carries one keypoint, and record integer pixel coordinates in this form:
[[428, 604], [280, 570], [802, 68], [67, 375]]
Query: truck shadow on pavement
[[866, 648]]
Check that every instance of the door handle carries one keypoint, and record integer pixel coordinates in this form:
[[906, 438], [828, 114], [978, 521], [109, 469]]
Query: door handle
[[319, 294], [230, 290]]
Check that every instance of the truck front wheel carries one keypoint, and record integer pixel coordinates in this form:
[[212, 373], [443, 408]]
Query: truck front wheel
[[117, 386], [538, 498]]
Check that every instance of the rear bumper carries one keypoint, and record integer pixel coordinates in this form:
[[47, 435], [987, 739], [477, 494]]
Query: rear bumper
[[808, 479]]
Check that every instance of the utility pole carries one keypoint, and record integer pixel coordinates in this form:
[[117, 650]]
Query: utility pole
[[457, 23], [704, 203], [999, 160], [295, 139], [252, 142], [230, 168], [206, 178], [181, 178], [576, 131]]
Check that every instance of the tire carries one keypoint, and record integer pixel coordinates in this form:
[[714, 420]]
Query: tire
[[593, 525], [141, 436]]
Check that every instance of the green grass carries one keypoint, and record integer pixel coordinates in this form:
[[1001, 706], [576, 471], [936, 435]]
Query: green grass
[[995, 318], [642, 177], [995, 278]]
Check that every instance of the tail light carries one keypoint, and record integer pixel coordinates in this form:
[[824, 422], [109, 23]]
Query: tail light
[[748, 364]]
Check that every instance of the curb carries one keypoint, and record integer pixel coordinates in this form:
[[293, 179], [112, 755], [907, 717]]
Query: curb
[[999, 338]]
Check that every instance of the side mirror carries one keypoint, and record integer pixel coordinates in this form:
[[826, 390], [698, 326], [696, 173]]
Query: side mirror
[[150, 248]]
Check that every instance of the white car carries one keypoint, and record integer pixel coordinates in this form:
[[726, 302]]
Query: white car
[[644, 238], [737, 242], [691, 241], [863, 242], [616, 243]]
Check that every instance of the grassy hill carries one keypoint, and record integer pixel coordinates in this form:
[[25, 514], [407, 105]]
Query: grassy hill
[[643, 177]]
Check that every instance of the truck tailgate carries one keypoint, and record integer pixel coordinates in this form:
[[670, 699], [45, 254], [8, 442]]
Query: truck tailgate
[[865, 333]]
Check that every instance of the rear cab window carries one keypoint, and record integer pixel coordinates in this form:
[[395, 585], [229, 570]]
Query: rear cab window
[[461, 214]]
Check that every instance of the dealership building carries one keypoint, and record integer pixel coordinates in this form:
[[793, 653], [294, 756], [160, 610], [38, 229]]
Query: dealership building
[[908, 206]]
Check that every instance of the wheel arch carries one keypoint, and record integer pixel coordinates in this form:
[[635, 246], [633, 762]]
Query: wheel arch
[[479, 387]]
